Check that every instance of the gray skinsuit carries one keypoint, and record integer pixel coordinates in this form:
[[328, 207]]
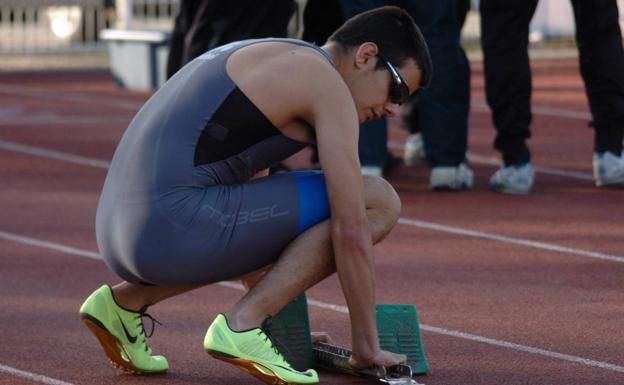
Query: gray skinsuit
[[178, 207]]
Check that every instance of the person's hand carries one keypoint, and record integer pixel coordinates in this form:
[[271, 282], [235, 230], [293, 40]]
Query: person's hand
[[381, 358], [323, 337]]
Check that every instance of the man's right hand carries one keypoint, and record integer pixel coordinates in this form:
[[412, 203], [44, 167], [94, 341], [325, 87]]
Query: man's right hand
[[382, 358]]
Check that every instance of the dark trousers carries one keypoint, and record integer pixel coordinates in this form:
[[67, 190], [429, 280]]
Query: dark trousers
[[441, 111], [504, 39], [204, 24]]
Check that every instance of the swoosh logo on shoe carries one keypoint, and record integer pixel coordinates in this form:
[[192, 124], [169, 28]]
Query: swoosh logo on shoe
[[132, 339]]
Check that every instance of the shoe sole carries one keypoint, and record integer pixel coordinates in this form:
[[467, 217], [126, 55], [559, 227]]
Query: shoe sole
[[509, 191], [261, 372], [611, 183], [112, 346]]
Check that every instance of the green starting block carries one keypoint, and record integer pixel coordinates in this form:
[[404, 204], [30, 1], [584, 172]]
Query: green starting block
[[399, 331], [397, 326], [291, 327]]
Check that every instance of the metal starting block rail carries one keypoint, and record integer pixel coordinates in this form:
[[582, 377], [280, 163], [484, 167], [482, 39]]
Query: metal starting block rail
[[337, 358]]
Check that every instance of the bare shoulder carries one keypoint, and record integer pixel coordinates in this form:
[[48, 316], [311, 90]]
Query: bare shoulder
[[287, 81]]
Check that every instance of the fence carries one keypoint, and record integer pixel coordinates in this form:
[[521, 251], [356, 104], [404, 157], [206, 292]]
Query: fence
[[73, 25], [28, 26]]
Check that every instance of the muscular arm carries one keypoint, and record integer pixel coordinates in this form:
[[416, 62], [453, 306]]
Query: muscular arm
[[336, 123]]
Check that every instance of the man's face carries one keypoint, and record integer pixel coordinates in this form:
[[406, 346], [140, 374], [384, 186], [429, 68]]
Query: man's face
[[372, 90]]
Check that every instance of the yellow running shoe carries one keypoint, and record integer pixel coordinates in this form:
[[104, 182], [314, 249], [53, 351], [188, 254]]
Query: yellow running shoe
[[254, 352], [121, 333]]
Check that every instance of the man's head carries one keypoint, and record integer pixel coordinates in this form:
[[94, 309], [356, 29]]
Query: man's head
[[385, 46]]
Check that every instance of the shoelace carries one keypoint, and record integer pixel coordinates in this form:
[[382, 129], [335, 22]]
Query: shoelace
[[277, 346], [143, 313]]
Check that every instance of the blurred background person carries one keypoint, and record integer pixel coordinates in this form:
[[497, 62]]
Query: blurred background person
[[204, 24], [504, 39], [437, 117], [440, 112]]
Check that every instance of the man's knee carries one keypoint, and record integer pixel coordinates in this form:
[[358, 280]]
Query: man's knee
[[380, 195]]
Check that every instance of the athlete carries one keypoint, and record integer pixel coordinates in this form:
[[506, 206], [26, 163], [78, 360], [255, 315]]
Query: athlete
[[188, 200]]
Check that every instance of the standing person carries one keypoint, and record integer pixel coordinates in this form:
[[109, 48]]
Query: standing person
[[204, 24], [438, 117], [321, 18], [504, 38], [187, 202]]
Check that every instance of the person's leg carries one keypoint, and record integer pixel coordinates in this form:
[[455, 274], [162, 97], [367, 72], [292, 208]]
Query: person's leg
[[176, 42], [443, 107], [201, 31], [372, 147], [504, 40], [305, 261], [309, 259], [601, 59]]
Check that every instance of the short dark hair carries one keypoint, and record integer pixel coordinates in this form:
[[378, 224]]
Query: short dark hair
[[394, 32]]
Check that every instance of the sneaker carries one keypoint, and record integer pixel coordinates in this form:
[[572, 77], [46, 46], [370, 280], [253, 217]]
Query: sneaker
[[608, 169], [414, 150], [253, 351], [515, 179], [121, 333], [451, 178]]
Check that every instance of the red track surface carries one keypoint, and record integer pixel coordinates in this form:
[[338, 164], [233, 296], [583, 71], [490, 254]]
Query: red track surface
[[546, 312]]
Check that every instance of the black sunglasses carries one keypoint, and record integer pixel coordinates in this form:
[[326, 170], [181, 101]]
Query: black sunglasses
[[399, 91]]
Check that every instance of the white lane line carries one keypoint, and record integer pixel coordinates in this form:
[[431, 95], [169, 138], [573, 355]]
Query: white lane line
[[480, 159], [517, 241], [36, 151], [343, 309], [58, 155], [32, 376], [524, 348], [45, 93], [542, 110], [61, 120], [48, 245]]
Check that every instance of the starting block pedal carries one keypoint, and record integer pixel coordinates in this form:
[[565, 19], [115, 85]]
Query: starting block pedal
[[399, 332], [337, 358], [397, 326]]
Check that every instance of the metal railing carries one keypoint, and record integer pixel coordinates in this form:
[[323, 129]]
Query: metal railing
[[28, 26], [34, 26]]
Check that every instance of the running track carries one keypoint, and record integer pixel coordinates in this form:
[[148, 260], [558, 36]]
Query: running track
[[510, 290]]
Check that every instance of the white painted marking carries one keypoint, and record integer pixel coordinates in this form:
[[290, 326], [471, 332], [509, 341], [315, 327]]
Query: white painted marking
[[406, 221], [504, 238], [48, 120], [542, 110], [38, 151], [343, 309], [524, 348], [45, 93], [48, 245], [32, 376]]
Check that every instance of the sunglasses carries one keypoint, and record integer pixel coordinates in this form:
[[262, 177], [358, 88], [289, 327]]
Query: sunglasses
[[399, 91]]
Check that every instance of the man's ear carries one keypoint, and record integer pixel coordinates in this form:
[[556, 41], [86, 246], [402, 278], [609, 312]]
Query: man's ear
[[365, 54]]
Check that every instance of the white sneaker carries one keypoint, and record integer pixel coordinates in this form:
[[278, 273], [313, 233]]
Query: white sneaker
[[451, 178], [516, 179], [414, 150], [608, 169], [372, 170]]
